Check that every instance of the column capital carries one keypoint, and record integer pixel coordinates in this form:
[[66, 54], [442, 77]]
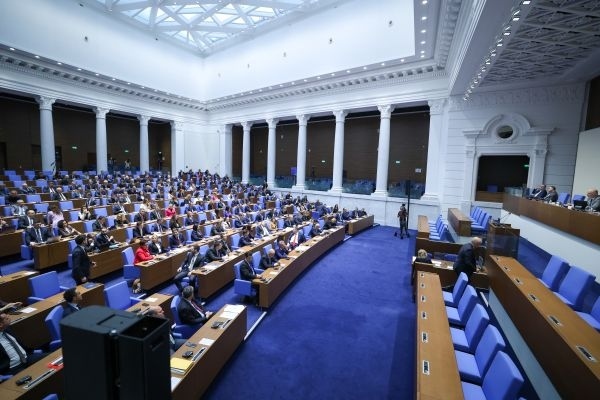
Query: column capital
[[272, 122], [226, 129], [101, 112], [436, 106], [246, 125], [176, 126], [340, 115], [386, 110], [45, 102], [302, 119], [143, 119]]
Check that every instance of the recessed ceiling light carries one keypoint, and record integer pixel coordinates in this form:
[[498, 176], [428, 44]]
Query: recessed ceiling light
[[115, 80], [293, 83], [318, 77], [493, 54], [78, 69], [424, 2], [37, 56], [260, 90], [347, 71], [423, 30], [365, 67], [402, 60], [526, 2], [422, 51], [383, 64], [97, 74], [280, 85], [423, 18], [143, 87], [333, 74], [499, 44], [59, 63], [155, 90], [129, 83], [422, 55], [423, 42], [11, 48], [507, 33], [306, 80]]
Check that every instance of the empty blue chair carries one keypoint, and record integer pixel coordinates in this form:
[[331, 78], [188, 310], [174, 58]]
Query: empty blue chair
[[100, 211], [235, 241], [117, 296], [241, 286], [53, 324], [306, 230], [73, 215], [593, 318], [578, 197], [452, 298], [89, 225], [51, 396], [459, 315], [203, 250], [502, 381], [563, 198], [72, 246], [450, 257], [574, 287], [180, 328], [41, 208], [66, 205], [130, 271], [472, 367], [555, 271], [256, 257], [26, 252], [33, 198], [267, 248], [207, 229], [467, 340], [280, 223], [44, 286]]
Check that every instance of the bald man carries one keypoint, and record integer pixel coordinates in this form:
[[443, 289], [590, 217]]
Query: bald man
[[466, 261], [593, 200], [269, 260]]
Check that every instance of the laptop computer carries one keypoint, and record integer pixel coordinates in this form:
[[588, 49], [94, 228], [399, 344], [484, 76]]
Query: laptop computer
[[580, 204]]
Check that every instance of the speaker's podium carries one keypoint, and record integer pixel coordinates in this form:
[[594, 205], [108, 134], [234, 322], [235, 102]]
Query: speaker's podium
[[110, 354]]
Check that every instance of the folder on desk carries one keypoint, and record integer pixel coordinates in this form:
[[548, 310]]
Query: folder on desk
[[180, 365]]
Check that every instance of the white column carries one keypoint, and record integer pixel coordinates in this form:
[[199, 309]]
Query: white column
[[101, 145], [47, 133], [383, 150], [225, 143], [301, 154], [433, 179], [144, 150], [271, 152], [177, 148], [338, 151], [246, 152]]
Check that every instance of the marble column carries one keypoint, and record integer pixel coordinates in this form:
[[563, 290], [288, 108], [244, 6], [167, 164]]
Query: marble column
[[47, 133], [144, 149], [246, 152], [433, 179], [301, 154], [225, 149], [271, 152], [383, 150], [338, 152], [177, 148], [101, 144]]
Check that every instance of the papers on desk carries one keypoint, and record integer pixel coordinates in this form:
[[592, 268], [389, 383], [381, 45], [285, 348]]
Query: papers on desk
[[151, 299], [180, 365], [237, 308], [302, 248], [174, 382], [28, 272], [206, 341], [228, 315], [436, 263], [210, 267], [27, 310], [273, 273]]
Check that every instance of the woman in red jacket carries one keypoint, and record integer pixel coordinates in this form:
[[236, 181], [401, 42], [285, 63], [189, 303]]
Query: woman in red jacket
[[142, 253]]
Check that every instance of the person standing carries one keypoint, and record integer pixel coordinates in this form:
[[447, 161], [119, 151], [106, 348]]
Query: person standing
[[466, 260], [81, 262], [403, 221]]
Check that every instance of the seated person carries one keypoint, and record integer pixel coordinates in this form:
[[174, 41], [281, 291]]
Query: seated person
[[262, 229], [269, 260], [174, 223], [101, 222], [176, 239], [593, 200], [217, 229], [27, 221], [72, 299], [4, 225], [54, 215], [142, 253], [538, 193], [189, 218], [296, 238], [161, 225], [157, 312], [551, 195], [224, 244], [288, 222], [316, 229], [104, 239], [4, 306], [247, 271], [121, 221], [85, 214], [141, 216], [170, 211], [423, 257], [192, 261], [66, 230], [196, 233], [330, 223], [37, 234], [58, 194], [245, 238], [191, 311], [13, 357], [155, 246], [118, 208], [19, 208], [282, 251], [215, 252], [26, 189], [140, 230]]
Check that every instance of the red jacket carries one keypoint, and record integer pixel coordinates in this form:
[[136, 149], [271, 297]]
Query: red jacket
[[142, 254]]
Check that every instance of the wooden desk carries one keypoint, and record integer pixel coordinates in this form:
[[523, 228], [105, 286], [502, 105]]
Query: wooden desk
[[45, 380], [215, 275], [15, 287], [200, 375], [10, 243], [157, 299], [304, 255], [459, 221], [555, 346], [107, 261], [423, 227], [434, 348], [30, 327], [433, 246], [447, 275], [503, 240], [163, 269], [50, 254], [356, 225], [577, 223]]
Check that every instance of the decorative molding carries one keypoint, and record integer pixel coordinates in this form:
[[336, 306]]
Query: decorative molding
[[302, 119], [143, 120], [176, 126], [45, 102], [340, 116], [386, 111], [101, 112], [272, 122], [436, 106], [246, 126]]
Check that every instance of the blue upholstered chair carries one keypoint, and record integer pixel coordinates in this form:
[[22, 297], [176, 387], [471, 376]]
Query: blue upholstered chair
[[130, 271], [235, 241], [467, 339], [5, 378], [180, 328], [555, 271], [502, 381], [33, 198], [51, 396], [240, 286], [593, 318], [574, 287], [89, 225], [72, 246], [563, 198], [578, 197], [26, 253], [256, 257], [452, 298], [450, 257], [306, 230], [458, 316], [267, 248], [41, 207], [118, 297], [472, 367], [44, 286], [66, 205], [53, 324]]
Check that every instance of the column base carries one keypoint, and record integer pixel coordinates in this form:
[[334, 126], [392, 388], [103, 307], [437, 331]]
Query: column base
[[336, 190], [430, 197], [380, 193], [299, 187], [271, 185]]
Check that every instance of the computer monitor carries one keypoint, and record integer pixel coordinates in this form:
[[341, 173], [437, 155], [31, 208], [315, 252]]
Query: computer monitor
[[580, 204]]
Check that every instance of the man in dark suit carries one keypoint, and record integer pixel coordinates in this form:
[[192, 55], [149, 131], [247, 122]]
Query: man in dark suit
[[190, 311], [59, 195], [316, 229], [466, 260], [538, 193], [215, 252], [81, 261], [103, 239], [192, 261], [13, 357], [268, 260], [37, 234], [72, 299], [296, 238], [155, 246], [551, 195], [176, 239], [27, 221], [100, 223]]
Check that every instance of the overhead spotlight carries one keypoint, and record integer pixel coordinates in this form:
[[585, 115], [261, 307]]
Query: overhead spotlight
[[306, 80], [383, 64], [115, 80], [365, 67], [423, 42], [347, 71], [11, 48], [424, 2], [422, 55], [526, 2], [97, 74], [59, 63], [318, 77], [515, 18], [78, 69], [423, 30], [402, 60], [37, 56], [424, 18], [507, 33]]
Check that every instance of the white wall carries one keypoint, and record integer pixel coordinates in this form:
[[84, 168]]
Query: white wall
[[588, 162]]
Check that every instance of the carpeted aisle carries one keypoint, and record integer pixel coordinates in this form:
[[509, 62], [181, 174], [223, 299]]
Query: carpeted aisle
[[344, 330]]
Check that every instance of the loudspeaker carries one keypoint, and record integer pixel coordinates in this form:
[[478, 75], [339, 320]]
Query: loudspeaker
[[111, 354]]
